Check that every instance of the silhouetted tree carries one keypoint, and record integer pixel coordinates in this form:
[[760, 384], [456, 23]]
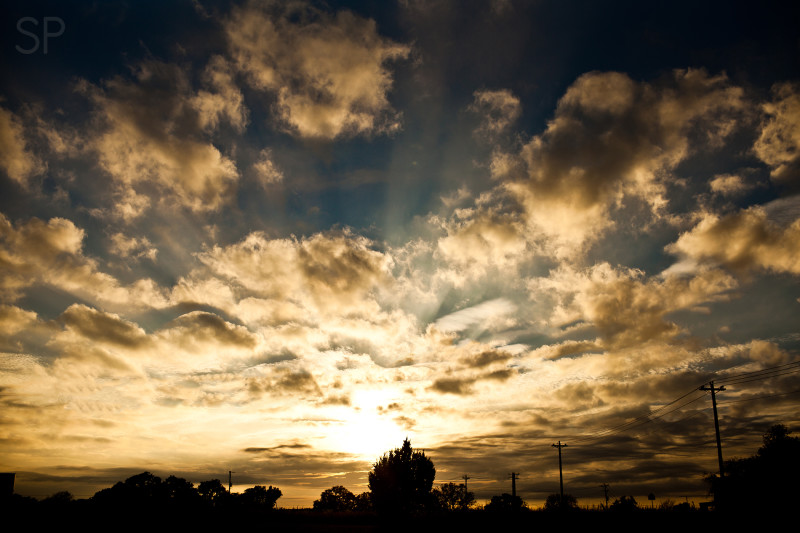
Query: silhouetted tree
[[505, 503], [364, 502], [336, 498], [143, 490], [624, 503], [212, 491], [59, 499], [401, 481], [555, 502], [452, 496], [179, 491], [261, 497], [766, 480]]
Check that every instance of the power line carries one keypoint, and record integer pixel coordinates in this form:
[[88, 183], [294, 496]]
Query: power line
[[736, 379], [754, 398], [793, 366]]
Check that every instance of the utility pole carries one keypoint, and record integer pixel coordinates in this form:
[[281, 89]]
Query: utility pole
[[714, 390], [717, 496], [605, 492], [560, 471], [514, 476], [465, 478], [230, 482]]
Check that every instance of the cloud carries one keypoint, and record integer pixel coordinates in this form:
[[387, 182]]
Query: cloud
[[728, 184], [745, 240], [327, 72], [613, 138], [200, 329], [479, 239], [152, 132], [499, 108], [285, 381], [14, 319], [51, 253], [132, 247], [18, 162], [332, 271], [486, 358], [105, 328], [267, 172], [779, 142], [466, 318], [224, 102], [459, 386], [624, 307]]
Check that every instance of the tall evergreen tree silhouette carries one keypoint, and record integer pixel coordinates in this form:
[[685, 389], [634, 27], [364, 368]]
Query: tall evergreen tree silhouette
[[401, 481]]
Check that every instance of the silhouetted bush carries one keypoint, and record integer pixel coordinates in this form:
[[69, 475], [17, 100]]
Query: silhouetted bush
[[555, 502], [505, 503], [624, 504]]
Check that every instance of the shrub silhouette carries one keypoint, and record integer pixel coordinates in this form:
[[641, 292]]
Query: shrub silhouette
[[400, 482], [505, 503], [624, 503], [555, 502]]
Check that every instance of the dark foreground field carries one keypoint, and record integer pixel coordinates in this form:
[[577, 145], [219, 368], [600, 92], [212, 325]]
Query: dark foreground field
[[301, 520]]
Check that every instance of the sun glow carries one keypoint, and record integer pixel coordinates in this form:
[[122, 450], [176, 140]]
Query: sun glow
[[368, 428]]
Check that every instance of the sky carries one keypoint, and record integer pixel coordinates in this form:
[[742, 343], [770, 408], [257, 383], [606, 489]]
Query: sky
[[278, 238]]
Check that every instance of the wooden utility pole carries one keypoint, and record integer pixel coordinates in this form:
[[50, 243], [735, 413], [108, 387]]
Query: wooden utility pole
[[714, 390], [560, 471], [465, 477], [514, 476], [230, 481], [605, 492]]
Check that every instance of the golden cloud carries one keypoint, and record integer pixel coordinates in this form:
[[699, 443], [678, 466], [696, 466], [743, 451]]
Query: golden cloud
[[743, 241], [779, 142], [153, 131], [18, 162], [610, 138], [327, 71]]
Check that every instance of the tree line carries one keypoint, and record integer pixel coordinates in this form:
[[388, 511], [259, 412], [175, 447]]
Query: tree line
[[401, 484]]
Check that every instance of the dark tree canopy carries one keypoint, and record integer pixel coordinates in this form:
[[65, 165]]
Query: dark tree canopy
[[766, 480], [261, 497], [400, 482], [212, 491], [505, 503], [336, 498], [452, 496], [555, 502], [624, 503]]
